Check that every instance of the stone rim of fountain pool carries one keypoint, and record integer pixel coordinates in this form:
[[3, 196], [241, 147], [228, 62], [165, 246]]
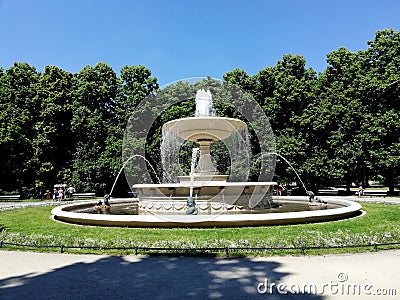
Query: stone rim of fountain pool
[[349, 209]]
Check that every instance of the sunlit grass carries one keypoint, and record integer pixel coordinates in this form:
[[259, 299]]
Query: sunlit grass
[[380, 224]]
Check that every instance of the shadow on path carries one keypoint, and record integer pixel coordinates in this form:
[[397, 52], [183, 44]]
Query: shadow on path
[[140, 277]]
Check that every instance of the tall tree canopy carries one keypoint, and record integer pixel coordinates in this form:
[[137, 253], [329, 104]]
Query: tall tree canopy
[[19, 114]]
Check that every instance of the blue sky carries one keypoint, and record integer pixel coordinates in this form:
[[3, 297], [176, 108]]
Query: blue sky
[[182, 39]]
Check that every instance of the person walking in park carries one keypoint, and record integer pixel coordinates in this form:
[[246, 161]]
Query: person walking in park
[[60, 194]]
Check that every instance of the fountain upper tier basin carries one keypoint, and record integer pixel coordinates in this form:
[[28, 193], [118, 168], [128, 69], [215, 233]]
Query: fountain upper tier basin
[[203, 188], [212, 129]]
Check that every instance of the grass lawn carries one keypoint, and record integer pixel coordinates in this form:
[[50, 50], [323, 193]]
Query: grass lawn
[[380, 224]]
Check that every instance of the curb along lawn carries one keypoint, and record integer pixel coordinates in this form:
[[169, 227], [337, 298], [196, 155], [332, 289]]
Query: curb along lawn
[[33, 226]]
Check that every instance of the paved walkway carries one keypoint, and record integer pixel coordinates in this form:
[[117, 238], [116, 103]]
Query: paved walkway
[[29, 275]]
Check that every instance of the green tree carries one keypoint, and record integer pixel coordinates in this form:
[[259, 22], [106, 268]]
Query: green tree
[[102, 106], [53, 143], [264, 86], [381, 97], [334, 120], [289, 90], [241, 79], [94, 93], [135, 83], [19, 113]]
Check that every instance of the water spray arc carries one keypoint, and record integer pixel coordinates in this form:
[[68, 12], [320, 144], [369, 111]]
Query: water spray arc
[[195, 155], [125, 163], [288, 162]]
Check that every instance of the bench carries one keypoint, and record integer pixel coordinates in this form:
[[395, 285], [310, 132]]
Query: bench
[[83, 196], [328, 192], [10, 197], [374, 193]]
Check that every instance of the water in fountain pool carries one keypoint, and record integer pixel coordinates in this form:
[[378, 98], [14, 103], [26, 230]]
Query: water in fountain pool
[[284, 207]]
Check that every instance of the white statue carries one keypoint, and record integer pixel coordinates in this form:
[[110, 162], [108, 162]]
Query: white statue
[[204, 105]]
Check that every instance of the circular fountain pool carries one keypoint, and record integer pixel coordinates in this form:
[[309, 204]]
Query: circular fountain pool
[[291, 210]]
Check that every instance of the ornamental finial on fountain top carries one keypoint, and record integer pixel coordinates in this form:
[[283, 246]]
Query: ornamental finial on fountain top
[[204, 104]]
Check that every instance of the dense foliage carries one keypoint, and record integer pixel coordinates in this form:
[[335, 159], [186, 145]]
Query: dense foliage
[[341, 126]]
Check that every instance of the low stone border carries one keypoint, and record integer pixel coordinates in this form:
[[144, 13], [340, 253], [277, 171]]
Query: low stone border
[[203, 250], [349, 209]]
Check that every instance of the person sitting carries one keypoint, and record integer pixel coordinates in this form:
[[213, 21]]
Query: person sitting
[[360, 191], [99, 205], [281, 189], [105, 203]]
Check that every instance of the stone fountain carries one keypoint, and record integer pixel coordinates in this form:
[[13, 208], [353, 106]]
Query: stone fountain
[[212, 191]]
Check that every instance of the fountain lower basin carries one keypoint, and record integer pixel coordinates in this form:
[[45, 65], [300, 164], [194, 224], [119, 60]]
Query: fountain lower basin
[[345, 209], [247, 195]]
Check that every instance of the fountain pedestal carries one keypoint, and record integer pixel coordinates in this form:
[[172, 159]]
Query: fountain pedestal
[[205, 164], [203, 178]]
